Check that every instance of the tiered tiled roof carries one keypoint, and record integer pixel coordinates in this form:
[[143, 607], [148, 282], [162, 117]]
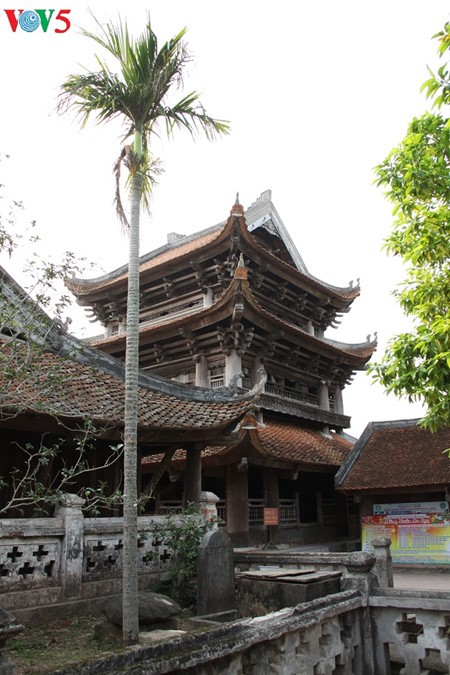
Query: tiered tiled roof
[[356, 354], [279, 440], [197, 243], [397, 454]]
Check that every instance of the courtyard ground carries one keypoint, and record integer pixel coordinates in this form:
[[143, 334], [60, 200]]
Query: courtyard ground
[[422, 580]]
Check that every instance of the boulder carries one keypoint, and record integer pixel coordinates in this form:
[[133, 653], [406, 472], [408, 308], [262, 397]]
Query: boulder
[[153, 608]]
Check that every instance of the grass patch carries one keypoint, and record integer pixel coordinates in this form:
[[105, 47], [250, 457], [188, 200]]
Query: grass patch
[[59, 644]]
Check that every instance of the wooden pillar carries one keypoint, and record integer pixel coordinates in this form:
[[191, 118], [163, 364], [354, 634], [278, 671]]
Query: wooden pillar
[[193, 476], [201, 372], [233, 365], [272, 498], [237, 505]]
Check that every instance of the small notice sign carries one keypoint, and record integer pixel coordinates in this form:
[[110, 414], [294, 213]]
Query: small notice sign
[[270, 516]]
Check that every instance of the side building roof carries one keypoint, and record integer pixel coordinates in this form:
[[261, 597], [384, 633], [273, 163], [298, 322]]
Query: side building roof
[[394, 455]]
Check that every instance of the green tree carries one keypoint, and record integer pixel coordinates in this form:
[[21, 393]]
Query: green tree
[[182, 533], [37, 474], [416, 175], [138, 93]]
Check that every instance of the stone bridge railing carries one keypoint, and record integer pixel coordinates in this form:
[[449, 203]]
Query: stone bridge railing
[[358, 630]]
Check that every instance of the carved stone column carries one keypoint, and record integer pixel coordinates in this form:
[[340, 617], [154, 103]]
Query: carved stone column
[[233, 365], [338, 401], [324, 401], [72, 517]]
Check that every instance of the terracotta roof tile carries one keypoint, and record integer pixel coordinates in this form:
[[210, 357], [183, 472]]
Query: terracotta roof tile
[[398, 454], [64, 388], [83, 286], [285, 441], [302, 444]]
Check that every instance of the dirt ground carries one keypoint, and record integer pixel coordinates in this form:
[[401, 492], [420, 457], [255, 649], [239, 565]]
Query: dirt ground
[[59, 644]]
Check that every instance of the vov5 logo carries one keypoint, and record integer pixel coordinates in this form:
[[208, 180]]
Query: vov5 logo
[[29, 20]]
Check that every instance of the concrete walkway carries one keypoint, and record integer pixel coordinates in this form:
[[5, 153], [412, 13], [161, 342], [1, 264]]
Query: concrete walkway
[[422, 580]]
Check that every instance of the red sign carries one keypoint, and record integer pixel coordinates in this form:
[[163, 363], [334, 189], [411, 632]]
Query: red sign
[[270, 516]]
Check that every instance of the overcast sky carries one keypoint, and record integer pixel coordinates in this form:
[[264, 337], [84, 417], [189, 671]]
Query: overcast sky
[[317, 94]]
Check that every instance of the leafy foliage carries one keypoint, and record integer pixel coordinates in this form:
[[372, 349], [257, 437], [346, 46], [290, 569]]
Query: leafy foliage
[[42, 475], [38, 471], [416, 174], [182, 534]]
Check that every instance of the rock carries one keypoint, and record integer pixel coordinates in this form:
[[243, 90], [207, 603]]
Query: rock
[[5, 618], [106, 629], [153, 608]]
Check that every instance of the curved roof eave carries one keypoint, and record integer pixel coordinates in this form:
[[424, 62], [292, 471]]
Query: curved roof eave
[[257, 215], [361, 351]]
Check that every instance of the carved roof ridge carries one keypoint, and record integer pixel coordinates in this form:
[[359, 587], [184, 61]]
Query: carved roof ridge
[[368, 347], [260, 213], [257, 215], [354, 350], [239, 283]]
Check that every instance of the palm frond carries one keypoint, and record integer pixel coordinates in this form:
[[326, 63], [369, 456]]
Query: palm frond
[[138, 92], [117, 197], [189, 113]]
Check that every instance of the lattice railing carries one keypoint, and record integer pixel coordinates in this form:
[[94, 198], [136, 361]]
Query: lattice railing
[[29, 562]]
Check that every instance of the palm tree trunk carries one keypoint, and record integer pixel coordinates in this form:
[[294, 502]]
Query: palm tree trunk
[[130, 498]]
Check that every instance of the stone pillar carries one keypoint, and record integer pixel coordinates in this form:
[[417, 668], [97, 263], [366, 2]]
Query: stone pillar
[[208, 298], [201, 372], [233, 365], [324, 401], [71, 514], [193, 476], [383, 562], [208, 508], [237, 505], [215, 567], [272, 499], [359, 577], [338, 400]]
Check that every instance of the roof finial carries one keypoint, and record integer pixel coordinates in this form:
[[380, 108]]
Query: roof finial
[[241, 271], [238, 209]]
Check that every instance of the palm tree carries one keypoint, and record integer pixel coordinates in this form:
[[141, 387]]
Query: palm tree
[[138, 94]]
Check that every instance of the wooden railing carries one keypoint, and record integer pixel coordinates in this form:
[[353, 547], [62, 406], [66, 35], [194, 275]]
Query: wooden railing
[[292, 394], [166, 508], [288, 510]]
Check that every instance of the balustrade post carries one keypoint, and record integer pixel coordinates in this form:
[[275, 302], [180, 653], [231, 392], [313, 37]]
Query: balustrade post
[[383, 562], [208, 507], [72, 552], [359, 577]]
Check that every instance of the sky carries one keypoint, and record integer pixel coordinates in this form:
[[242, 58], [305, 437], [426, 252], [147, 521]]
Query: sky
[[317, 94]]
